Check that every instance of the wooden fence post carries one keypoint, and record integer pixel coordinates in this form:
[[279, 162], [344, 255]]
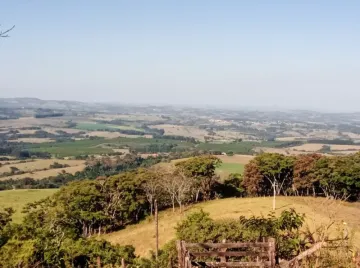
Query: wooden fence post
[[180, 253], [223, 258], [123, 265], [98, 262], [272, 252]]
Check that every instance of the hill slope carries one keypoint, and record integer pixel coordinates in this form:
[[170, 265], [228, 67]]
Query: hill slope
[[17, 199], [317, 210]]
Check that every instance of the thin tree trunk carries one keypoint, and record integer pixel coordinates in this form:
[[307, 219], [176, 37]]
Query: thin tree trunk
[[274, 197], [173, 203], [156, 230], [151, 208], [314, 194]]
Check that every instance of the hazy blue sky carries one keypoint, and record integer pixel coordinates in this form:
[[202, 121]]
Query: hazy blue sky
[[291, 54]]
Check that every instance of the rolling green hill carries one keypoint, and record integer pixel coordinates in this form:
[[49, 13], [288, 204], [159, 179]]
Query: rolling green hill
[[17, 199]]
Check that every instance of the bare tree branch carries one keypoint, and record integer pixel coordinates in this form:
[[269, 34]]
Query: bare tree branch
[[5, 33]]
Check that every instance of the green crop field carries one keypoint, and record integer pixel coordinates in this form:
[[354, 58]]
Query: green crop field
[[17, 199], [99, 126], [102, 146], [225, 169]]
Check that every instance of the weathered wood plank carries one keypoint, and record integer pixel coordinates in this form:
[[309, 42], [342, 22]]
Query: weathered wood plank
[[228, 254], [304, 254], [180, 254], [272, 251], [231, 264], [228, 245]]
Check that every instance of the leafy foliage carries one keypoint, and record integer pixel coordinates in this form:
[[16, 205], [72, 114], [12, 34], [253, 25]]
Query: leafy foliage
[[199, 227]]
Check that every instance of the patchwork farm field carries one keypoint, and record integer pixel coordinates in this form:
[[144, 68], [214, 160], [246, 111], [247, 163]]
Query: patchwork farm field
[[179, 130], [17, 199], [318, 212], [244, 147], [98, 126], [38, 175], [102, 146], [37, 164]]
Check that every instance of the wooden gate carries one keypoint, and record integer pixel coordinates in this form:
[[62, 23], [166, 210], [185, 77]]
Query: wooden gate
[[256, 254]]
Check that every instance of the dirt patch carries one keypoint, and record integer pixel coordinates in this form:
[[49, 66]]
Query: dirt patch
[[110, 135], [53, 130], [237, 158], [288, 138], [38, 164], [32, 140], [124, 151], [309, 147], [27, 131]]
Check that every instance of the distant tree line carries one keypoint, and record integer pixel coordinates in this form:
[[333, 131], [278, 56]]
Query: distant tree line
[[333, 141], [59, 136], [305, 175], [19, 151], [44, 115]]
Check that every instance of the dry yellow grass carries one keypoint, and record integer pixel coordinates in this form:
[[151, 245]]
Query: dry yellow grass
[[38, 175], [229, 135], [188, 131], [27, 131], [285, 151], [287, 138], [345, 147], [317, 210], [124, 151], [67, 130], [34, 122], [38, 164], [237, 158], [130, 117], [17, 199], [110, 135], [309, 147], [33, 140]]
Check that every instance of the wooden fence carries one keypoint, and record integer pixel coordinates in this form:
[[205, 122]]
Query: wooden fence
[[256, 254]]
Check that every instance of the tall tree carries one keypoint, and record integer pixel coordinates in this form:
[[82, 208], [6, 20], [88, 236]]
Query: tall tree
[[152, 187], [272, 171], [202, 170], [305, 178]]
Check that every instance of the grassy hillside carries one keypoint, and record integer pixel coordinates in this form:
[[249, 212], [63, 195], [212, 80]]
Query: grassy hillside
[[17, 199], [225, 169], [318, 211], [230, 164]]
